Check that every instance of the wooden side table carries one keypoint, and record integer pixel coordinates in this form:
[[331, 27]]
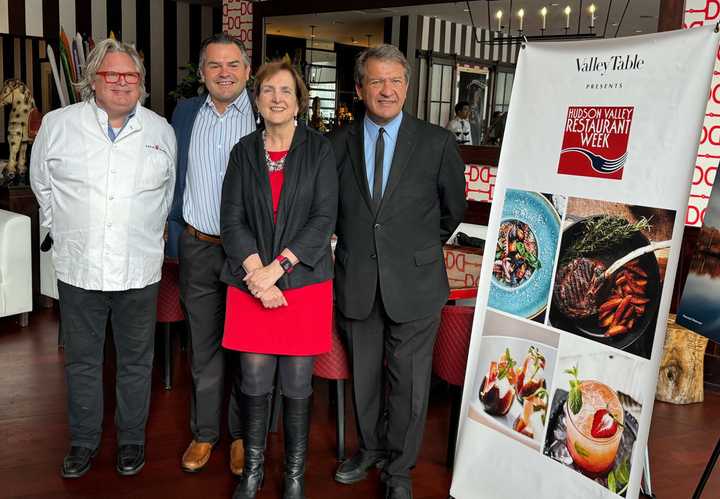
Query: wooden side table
[[681, 368]]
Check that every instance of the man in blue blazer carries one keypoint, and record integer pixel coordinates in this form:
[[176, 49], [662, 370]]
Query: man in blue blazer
[[207, 127]]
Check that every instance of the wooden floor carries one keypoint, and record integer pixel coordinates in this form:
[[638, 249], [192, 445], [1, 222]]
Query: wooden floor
[[33, 437]]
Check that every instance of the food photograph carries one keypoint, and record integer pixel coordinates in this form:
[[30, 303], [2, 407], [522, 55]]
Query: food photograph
[[514, 378], [593, 418], [610, 273], [524, 253]]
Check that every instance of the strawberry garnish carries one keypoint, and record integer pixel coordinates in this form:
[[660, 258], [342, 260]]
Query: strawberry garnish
[[604, 424]]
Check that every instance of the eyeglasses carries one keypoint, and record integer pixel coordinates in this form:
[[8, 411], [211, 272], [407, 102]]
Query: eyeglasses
[[114, 77]]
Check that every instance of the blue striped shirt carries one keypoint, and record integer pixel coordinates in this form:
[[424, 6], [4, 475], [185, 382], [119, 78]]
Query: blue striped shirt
[[213, 137]]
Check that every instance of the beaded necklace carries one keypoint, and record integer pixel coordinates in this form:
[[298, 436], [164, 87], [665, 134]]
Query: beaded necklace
[[272, 166]]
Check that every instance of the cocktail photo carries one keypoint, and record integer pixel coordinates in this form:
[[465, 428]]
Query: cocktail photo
[[514, 378], [593, 418], [525, 250], [610, 273]]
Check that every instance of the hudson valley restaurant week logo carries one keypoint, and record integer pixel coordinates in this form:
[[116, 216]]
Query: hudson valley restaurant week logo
[[595, 141]]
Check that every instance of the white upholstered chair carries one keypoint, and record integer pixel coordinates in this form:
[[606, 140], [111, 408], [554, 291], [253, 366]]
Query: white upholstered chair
[[15, 265]]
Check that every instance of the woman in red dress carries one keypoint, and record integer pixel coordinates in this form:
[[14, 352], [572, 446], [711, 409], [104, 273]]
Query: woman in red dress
[[278, 210]]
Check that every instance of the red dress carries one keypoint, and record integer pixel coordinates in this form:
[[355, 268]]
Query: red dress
[[303, 327]]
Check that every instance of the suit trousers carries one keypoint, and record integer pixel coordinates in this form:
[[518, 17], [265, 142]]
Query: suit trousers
[[203, 297], [132, 315], [407, 348]]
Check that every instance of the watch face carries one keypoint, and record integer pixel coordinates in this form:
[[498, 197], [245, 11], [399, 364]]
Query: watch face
[[286, 265]]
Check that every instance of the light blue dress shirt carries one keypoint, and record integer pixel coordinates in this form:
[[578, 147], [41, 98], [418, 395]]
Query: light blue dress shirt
[[112, 133], [371, 134], [213, 137]]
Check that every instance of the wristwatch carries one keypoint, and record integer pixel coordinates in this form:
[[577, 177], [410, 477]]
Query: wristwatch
[[286, 264]]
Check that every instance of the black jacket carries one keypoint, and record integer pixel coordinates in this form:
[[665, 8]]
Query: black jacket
[[423, 203], [306, 213]]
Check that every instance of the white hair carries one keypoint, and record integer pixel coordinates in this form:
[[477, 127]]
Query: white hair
[[95, 60]]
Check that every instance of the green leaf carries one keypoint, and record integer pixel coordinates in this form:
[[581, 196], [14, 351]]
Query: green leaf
[[622, 473], [531, 259], [579, 449], [510, 364], [575, 401], [575, 396], [541, 393], [612, 486]]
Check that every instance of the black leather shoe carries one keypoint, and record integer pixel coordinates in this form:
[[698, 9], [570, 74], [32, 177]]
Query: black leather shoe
[[77, 462], [130, 459], [397, 492], [356, 468]]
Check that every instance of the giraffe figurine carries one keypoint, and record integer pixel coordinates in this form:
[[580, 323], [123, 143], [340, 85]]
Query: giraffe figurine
[[18, 95]]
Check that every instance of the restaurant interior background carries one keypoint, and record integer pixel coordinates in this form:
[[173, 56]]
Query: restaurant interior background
[[458, 51]]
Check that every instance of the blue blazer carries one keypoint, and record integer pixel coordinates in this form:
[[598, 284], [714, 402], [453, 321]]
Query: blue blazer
[[183, 120]]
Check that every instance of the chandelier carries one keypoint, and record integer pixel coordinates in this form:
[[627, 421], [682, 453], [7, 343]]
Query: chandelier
[[516, 24]]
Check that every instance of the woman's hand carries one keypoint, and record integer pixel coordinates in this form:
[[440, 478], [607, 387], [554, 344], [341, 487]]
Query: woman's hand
[[273, 298], [260, 280]]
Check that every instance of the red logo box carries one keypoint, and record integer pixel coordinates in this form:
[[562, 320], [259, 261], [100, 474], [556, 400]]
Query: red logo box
[[595, 141]]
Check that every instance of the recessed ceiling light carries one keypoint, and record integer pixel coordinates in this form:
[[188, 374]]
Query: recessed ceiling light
[[554, 4], [638, 31], [614, 24]]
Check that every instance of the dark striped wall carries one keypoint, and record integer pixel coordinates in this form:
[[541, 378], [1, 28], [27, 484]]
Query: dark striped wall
[[168, 34]]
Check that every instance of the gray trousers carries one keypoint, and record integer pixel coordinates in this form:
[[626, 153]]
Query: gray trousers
[[85, 314], [203, 297]]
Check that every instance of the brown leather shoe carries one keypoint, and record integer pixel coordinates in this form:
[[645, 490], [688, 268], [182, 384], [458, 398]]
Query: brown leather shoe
[[196, 456], [237, 457]]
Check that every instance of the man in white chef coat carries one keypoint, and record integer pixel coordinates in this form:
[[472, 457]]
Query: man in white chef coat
[[103, 172]]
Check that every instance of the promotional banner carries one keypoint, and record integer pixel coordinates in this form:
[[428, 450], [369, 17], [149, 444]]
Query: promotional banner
[[699, 308], [583, 243], [702, 13]]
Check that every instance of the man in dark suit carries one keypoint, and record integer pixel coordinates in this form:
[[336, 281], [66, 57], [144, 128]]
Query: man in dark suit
[[207, 127], [402, 194]]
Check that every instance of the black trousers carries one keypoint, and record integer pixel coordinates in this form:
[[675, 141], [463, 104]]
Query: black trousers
[[85, 314], [203, 296], [407, 347]]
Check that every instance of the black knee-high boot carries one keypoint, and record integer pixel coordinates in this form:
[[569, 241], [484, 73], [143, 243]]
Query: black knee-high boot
[[296, 424], [255, 410]]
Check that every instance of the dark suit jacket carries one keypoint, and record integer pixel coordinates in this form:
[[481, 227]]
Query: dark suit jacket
[[183, 120], [306, 213], [423, 203]]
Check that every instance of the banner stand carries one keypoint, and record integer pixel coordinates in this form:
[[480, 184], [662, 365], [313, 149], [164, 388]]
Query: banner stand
[[572, 304], [646, 485], [708, 471]]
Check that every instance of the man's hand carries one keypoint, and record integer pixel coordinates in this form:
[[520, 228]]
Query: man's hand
[[260, 280], [47, 243], [273, 298]]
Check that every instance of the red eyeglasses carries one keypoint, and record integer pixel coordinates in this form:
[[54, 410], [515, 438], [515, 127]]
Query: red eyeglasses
[[114, 77]]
